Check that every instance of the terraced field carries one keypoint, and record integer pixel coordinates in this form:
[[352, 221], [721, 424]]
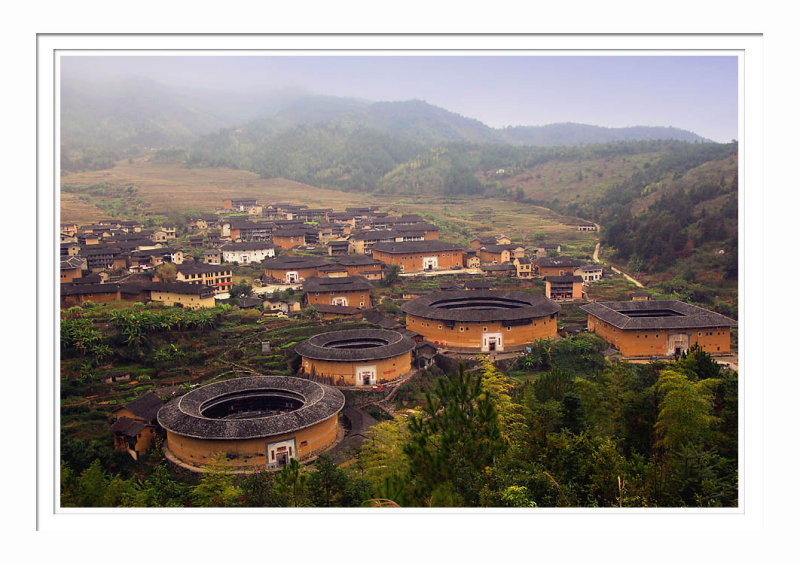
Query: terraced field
[[173, 187]]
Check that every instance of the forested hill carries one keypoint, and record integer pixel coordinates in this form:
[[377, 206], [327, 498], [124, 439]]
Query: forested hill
[[104, 122]]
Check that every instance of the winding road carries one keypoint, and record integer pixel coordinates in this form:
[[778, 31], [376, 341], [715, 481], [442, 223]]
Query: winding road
[[596, 258]]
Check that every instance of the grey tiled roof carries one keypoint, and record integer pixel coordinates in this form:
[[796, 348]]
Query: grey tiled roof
[[288, 262], [337, 309], [338, 284], [550, 262], [128, 427], [247, 246], [688, 316], [358, 260], [145, 407], [325, 346], [481, 305], [434, 245], [183, 415], [71, 262]]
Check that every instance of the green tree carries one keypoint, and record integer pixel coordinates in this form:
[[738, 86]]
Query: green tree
[[241, 290], [391, 276], [327, 483], [382, 455], [290, 485], [167, 272], [454, 440], [497, 388], [92, 486], [257, 489], [216, 487], [684, 415], [517, 496]]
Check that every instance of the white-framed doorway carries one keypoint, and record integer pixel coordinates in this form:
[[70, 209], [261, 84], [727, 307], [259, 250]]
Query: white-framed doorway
[[279, 453], [366, 375], [430, 263], [677, 343], [491, 342]]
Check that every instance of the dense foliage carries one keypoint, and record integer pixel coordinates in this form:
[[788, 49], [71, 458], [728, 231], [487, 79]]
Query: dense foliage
[[560, 426]]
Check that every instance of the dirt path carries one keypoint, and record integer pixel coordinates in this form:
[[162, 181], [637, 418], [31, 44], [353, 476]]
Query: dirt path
[[596, 258], [627, 276]]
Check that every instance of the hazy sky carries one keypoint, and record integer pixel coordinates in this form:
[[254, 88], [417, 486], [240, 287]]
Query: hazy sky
[[698, 93]]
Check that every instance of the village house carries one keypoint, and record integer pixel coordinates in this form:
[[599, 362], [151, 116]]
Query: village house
[[245, 230], [640, 297], [239, 204], [247, 252], [556, 266], [547, 249], [93, 278], [587, 227], [478, 242], [362, 265], [337, 248], [212, 256], [214, 238], [562, 288], [191, 296], [503, 270], [72, 267], [287, 269], [70, 249], [361, 243], [424, 354], [198, 224], [86, 239], [332, 270], [419, 256], [421, 231], [471, 259], [78, 294], [281, 307], [524, 267], [103, 257], [494, 254], [134, 425], [219, 277], [659, 328], [351, 291], [289, 238], [590, 272]]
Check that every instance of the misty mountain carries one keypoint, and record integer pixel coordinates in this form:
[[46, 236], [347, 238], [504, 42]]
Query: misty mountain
[[569, 134], [113, 116]]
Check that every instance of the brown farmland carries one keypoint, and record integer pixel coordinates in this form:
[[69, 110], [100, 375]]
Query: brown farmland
[[173, 187]]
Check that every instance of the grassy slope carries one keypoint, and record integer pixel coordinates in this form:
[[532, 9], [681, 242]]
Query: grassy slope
[[171, 186], [561, 179]]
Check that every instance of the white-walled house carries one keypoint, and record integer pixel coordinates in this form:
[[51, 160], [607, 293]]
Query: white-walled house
[[245, 253]]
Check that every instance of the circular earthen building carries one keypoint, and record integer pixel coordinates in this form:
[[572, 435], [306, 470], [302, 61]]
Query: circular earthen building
[[260, 422], [357, 357], [482, 320]]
